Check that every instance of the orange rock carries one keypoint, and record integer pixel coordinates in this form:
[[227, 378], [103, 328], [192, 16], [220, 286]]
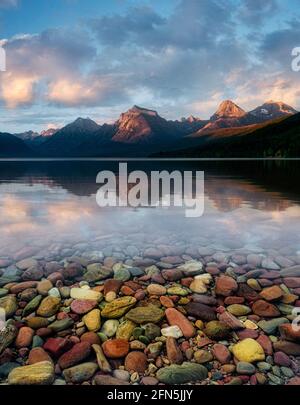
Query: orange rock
[[24, 337], [166, 302], [136, 361], [38, 354], [115, 348], [90, 337], [175, 317]]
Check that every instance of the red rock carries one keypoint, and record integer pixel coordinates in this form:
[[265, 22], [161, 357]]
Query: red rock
[[140, 295], [282, 359], [166, 302], [54, 277], [292, 282], [136, 361], [90, 337], [17, 288], [287, 347], [125, 290], [234, 300], [271, 293], [247, 292], [133, 285], [221, 353], [253, 380], [77, 354], [202, 342], [56, 346], [81, 307], [24, 337], [288, 332], [72, 271], [38, 354], [174, 353], [294, 381], [175, 317], [112, 285], [44, 332], [230, 320], [265, 309], [247, 333], [225, 286], [172, 274], [266, 344], [115, 348], [201, 311]]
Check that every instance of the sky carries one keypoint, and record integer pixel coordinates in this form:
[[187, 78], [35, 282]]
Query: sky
[[91, 58]]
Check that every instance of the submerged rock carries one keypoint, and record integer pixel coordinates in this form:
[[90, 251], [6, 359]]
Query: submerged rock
[[181, 374]]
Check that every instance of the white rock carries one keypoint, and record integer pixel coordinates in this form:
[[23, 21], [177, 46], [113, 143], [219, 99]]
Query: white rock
[[54, 292], [172, 331], [191, 267], [85, 294]]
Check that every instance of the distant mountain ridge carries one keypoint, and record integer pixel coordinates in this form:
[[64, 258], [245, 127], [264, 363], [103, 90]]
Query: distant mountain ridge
[[142, 132]]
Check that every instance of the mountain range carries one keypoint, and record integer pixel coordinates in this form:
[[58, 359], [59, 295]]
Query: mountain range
[[272, 128]]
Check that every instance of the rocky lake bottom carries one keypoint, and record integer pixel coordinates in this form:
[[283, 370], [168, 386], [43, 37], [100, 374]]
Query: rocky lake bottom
[[146, 296]]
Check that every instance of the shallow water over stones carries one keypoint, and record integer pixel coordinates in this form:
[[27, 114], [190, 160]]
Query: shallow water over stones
[[142, 296]]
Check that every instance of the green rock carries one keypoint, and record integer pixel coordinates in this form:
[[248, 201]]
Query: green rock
[[137, 332], [245, 368], [287, 372], [285, 309], [122, 274], [181, 374], [202, 356], [238, 309], [144, 340], [32, 305], [264, 366], [102, 337], [141, 315], [3, 292], [62, 324], [152, 331], [37, 341], [80, 373], [235, 381], [177, 290], [271, 326], [109, 328], [6, 368], [9, 304], [96, 272], [216, 330], [274, 379]]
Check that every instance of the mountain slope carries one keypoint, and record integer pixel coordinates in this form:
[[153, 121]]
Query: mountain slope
[[11, 146], [280, 138]]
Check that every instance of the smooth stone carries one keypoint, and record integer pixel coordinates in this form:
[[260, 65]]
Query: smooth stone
[[41, 373], [269, 264], [191, 268], [123, 375], [48, 307], [231, 321], [156, 289], [24, 337], [243, 367], [118, 307], [115, 348], [108, 380], [293, 271], [287, 347], [225, 286], [81, 372], [175, 317], [32, 305], [37, 355], [202, 356], [109, 328], [7, 336], [92, 320], [37, 322], [81, 307], [3, 292], [200, 311], [85, 294], [61, 324], [216, 330], [26, 264], [54, 292], [271, 326], [78, 353], [181, 374], [177, 290], [174, 353], [125, 330], [273, 293], [9, 304], [122, 274], [172, 331], [204, 299], [249, 351], [150, 313], [44, 286], [265, 309], [96, 272], [221, 353], [151, 331], [136, 361], [238, 309]]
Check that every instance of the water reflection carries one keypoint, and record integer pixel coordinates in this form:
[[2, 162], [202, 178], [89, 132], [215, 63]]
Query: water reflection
[[248, 203]]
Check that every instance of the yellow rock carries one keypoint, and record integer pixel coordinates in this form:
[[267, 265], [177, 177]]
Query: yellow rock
[[118, 307], [250, 325], [41, 373], [199, 324], [85, 294], [254, 284], [248, 350], [49, 306], [125, 330], [289, 298], [92, 320]]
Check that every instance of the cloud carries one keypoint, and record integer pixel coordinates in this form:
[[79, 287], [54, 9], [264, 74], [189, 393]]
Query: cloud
[[254, 12], [17, 89]]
